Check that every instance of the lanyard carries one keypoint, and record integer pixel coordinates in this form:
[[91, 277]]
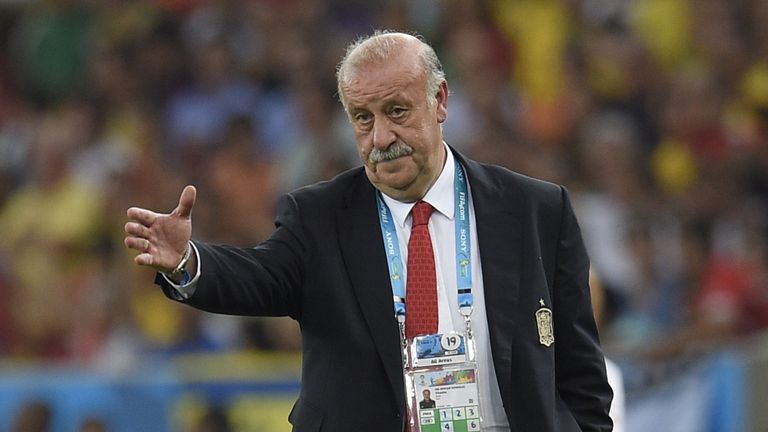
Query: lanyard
[[463, 249]]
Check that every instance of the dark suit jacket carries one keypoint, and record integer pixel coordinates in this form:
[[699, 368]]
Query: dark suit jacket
[[325, 266]]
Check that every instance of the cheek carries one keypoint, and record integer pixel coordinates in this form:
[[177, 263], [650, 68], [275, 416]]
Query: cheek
[[364, 147], [362, 143], [360, 147]]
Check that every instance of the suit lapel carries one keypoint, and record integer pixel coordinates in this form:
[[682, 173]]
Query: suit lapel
[[499, 233], [363, 252]]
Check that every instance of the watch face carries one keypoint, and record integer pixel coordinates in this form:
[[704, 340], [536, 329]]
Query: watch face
[[184, 277]]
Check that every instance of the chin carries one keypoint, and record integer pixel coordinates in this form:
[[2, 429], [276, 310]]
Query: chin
[[397, 181], [406, 192]]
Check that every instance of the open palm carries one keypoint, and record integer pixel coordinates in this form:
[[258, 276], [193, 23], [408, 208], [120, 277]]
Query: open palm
[[161, 239]]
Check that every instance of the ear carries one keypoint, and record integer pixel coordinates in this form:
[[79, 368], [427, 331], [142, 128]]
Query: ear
[[442, 102]]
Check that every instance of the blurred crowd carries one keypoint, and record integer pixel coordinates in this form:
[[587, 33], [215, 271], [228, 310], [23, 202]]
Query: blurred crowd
[[653, 113]]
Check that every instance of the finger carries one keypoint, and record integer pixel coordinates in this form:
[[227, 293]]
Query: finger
[[144, 259], [137, 230], [139, 244], [186, 202], [143, 216]]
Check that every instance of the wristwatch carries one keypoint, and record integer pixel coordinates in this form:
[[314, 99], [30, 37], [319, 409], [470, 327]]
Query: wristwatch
[[181, 268]]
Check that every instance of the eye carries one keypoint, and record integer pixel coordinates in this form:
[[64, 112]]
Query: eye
[[362, 118], [397, 112]]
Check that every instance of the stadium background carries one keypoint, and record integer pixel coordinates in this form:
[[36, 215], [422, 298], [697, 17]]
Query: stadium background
[[654, 113]]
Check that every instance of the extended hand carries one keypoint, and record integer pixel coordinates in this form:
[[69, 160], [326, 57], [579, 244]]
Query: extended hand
[[161, 239]]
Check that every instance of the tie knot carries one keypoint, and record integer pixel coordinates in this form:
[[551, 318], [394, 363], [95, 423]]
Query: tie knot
[[421, 213]]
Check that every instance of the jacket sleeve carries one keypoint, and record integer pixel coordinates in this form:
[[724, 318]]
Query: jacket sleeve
[[261, 281], [580, 374]]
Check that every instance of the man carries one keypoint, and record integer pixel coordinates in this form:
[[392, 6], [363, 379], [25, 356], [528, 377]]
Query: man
[[426, 401], [538, 358]]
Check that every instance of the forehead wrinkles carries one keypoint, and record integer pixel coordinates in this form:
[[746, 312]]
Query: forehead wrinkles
[[364, 87], [357, 97]]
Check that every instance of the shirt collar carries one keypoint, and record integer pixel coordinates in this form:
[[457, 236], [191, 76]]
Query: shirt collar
[[439, 196]]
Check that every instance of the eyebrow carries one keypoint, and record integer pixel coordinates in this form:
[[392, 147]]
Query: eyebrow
[[392, 99]]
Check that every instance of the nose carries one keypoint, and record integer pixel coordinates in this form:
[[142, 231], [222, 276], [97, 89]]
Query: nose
[[383, 135]]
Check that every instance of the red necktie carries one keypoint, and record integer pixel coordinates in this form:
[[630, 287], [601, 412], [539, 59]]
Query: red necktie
[[421, 286]]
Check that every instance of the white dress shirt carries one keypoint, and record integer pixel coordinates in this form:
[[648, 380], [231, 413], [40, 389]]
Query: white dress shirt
[[443, 234], [618, 408]]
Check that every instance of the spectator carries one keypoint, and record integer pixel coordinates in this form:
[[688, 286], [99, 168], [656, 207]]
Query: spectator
[[33, 416], [93, 424]]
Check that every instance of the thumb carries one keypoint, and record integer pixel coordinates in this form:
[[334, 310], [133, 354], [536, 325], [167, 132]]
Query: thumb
[[186, 202]]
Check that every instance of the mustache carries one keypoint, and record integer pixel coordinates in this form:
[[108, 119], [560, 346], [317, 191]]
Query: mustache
[[396, 150]]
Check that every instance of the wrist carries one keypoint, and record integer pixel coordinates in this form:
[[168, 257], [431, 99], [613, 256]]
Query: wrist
[[179, 273]]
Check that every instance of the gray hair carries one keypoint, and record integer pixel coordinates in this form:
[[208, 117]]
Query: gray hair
[[379, 47]]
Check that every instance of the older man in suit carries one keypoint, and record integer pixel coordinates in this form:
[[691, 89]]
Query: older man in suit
[[334, 264]]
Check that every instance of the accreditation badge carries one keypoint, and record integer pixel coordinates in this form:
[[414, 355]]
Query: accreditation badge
[[442, 384]]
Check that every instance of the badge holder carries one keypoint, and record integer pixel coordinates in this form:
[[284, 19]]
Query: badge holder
[[441, 379]]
